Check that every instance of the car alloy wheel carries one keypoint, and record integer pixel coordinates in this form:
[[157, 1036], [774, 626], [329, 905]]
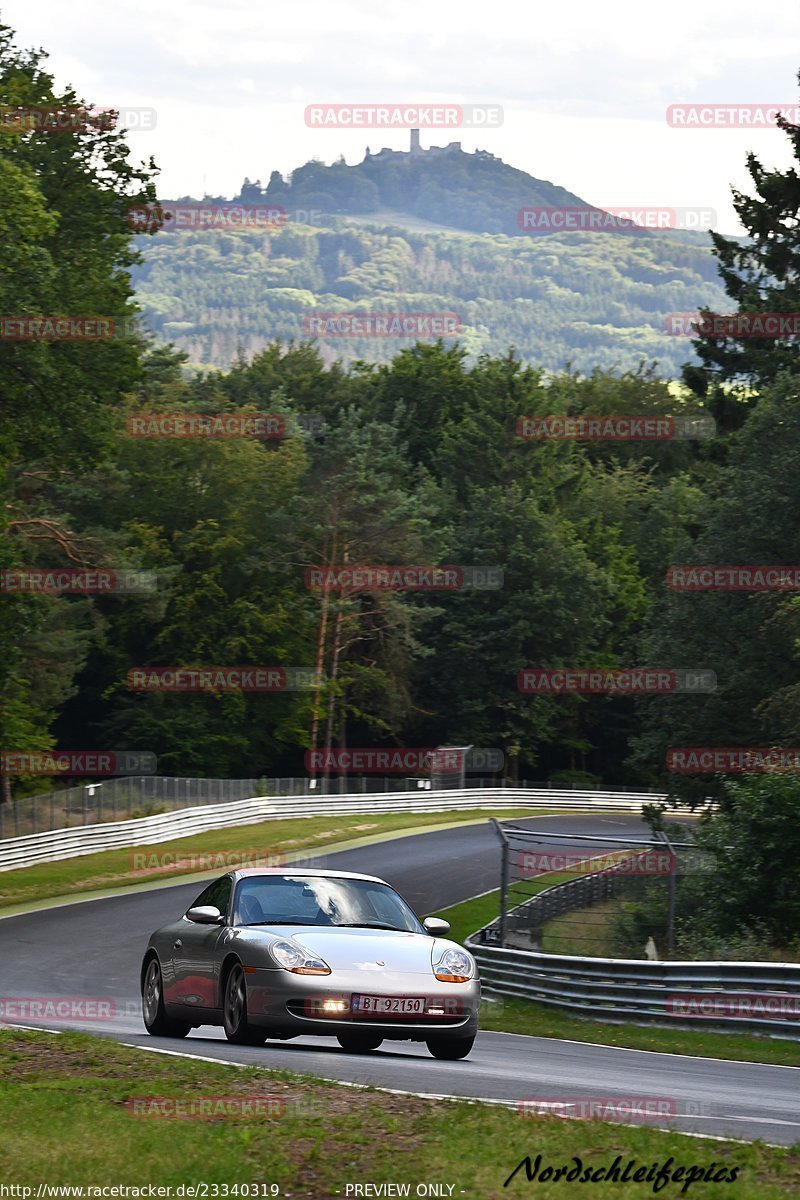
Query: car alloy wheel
[[234, 1011], [156, 1021], [450, 1048]]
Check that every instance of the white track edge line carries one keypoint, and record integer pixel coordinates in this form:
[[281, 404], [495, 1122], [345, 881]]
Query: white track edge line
[[455, 1099]]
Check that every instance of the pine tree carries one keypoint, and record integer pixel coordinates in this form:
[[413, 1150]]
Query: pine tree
[[761, 274]]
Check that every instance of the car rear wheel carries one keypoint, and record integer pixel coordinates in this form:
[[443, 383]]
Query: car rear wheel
[[234, 1011], [450, 1048], [154, 1014], [359, 1043]]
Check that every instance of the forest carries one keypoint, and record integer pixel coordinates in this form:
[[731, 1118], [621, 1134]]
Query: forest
[[596, 299]]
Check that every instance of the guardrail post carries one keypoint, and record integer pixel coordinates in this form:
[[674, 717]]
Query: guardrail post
[[498, 828], [673, 884]]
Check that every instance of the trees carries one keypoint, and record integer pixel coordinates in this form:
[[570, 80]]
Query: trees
[[749, 639], [754, 843], [65, 246], [761, 274]]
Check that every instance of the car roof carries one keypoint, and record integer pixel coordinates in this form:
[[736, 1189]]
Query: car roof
[[268, 872]]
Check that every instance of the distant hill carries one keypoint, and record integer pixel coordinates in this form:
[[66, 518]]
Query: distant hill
[[477, 192], [435, 231]]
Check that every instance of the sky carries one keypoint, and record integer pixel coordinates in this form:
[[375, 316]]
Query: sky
[[584, 87]]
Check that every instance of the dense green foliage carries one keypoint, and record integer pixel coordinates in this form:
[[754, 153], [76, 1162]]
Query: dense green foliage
[[66, 249], [761, 274], [596, 299]]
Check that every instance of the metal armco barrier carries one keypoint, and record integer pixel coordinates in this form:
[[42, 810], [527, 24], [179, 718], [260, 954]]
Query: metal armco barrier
[[760, 997], [144, 831], [588, 889]]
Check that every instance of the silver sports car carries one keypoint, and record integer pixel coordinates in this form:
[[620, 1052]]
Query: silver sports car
[[277, 954]]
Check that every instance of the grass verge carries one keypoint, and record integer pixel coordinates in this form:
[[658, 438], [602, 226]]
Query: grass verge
[[274, 837], [68, 1105], [585, 930], [510, 1015]]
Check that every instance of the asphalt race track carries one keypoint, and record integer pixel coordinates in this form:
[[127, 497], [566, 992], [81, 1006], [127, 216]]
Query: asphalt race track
[[94, 949]]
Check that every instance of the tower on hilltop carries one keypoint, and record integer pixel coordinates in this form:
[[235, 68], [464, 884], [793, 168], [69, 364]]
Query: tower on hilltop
[[415, 146]]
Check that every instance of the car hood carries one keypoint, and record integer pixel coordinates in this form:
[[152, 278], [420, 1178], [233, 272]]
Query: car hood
[[365, 949]]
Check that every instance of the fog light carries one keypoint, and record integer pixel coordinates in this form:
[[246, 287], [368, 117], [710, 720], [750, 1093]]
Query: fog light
[[335, 1006], [435, 1010]]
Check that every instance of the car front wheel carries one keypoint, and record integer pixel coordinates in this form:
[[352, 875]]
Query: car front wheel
[[450, 1048], [234, 1011], [358, 1043], [154, 1014]]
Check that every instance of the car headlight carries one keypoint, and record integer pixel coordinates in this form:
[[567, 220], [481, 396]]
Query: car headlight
[[454, 966], [294, 958]]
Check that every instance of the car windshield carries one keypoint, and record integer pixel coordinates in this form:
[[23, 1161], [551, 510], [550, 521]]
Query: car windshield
[[319, 900]]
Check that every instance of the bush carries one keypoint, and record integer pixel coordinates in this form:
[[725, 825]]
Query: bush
[[578, 779]]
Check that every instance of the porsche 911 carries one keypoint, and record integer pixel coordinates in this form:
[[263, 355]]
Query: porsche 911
[[282, 953]]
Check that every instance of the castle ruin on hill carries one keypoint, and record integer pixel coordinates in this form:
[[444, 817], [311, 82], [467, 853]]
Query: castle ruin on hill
[[418, 151]]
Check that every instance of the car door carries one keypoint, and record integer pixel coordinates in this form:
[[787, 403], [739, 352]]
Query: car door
[[197, 952]]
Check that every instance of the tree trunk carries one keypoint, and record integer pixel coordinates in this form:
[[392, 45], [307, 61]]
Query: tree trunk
[[337, 641], [320, 664]]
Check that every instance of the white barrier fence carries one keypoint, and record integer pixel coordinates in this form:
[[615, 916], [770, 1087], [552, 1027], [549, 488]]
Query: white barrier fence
[[144, 831]]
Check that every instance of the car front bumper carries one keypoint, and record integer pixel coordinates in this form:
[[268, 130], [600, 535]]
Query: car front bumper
[[323, 1004]]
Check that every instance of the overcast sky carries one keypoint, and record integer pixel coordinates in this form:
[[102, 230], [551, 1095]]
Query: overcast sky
[[584, 86]]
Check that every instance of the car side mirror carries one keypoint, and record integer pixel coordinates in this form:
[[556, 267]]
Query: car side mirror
[[205, 914], [436, 927]]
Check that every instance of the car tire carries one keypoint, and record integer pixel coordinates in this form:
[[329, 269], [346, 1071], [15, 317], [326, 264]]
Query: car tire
[[234, 1011], [450, 1048], [359, 1043], [154, 1015]]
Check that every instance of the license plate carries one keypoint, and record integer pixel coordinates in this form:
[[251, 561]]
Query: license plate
[[388, 1005]]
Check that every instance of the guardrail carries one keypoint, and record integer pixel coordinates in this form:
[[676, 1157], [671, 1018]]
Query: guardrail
[[123, 798], [759, 997], [143, 831], [738, 995]]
